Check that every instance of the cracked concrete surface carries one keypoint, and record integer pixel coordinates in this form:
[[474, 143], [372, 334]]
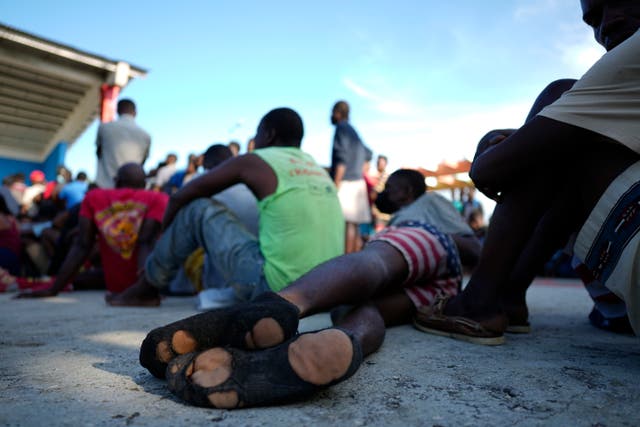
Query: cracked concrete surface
[[72, 361]]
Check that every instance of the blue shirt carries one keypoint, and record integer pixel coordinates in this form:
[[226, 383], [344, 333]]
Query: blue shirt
[[73, 193], [348, 150]]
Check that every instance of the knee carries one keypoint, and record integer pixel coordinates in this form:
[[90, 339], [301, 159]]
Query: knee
[[193, 210], [479, 171]]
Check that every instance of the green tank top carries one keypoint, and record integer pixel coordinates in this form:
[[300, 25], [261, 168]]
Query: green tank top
[[301, 223]]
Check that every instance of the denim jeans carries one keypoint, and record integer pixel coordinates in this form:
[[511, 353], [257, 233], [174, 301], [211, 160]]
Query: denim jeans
[[234, 253]]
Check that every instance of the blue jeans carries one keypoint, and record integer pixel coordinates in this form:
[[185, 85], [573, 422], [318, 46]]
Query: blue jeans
[[233, 252]]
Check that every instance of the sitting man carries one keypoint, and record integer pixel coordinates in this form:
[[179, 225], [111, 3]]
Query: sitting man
[[126, 220], [249, 354], [588, 141], [301, 223], [199, 270], [405, 196]]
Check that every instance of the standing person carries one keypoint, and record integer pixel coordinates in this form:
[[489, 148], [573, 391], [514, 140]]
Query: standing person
[[588, 140], [119, 142], [301, 224], [348, 157], [380, 219], [126, 220]]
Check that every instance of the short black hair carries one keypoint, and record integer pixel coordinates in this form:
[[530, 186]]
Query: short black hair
[[413, 179], [126, 106], [215, 155], [130, 175], [287, 125], [342, 107], [81, 176]]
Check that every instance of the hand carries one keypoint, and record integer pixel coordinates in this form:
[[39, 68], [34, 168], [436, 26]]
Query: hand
[[37, 294], [496, 196], [492, 138]]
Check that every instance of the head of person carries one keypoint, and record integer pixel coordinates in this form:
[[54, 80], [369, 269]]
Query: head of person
[[234, 147], [130, 175], [36, 177], [81, 176], [251, 145], [402, 188], [476, 219], [215, 155], [126, 106], [340, 112], [193, 163], [613, 21], [281, 127], [171, 159], [17, 178], [381, 164]]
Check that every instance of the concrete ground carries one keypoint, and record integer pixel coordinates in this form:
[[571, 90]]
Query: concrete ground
[[72, 360]]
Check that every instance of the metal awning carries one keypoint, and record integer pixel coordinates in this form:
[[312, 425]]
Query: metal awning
[[449, 175], [49, 92]]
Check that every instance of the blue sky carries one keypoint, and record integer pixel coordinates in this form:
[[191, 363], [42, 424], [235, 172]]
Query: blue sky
[[425, 79]]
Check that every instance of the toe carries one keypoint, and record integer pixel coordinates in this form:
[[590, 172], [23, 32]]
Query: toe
[[265, 333], [183, 342], [164, 352]]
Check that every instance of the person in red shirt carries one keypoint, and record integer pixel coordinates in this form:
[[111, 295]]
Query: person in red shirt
[[126, 221]]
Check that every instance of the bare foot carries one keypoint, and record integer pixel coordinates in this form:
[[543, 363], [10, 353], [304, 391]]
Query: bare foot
[[264, 322], [228, 378], [141, 294]]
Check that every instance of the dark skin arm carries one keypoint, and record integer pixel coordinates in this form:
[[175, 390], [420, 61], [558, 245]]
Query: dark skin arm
[[488, 141], [78, 254], [339, 174], [248, 169], [149, 232]]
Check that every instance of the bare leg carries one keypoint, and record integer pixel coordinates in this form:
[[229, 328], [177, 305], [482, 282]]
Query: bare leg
[[597, 162], [368, 321], [350, 279], [352, 241]]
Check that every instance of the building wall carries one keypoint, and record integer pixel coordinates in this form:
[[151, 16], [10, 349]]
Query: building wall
[[55, 158]]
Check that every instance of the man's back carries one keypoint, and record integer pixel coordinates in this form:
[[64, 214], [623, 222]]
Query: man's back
[[301, 224], [120, 142], [118, 215]]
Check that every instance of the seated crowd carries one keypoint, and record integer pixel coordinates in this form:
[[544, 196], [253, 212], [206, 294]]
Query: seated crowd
[[268, 235]]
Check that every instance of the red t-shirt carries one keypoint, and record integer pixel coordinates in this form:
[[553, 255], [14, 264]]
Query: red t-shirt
[[118, 215]]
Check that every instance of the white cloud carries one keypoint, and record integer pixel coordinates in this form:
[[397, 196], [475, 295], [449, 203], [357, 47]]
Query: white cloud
[[357, 89], [380, 101], [440, 134]]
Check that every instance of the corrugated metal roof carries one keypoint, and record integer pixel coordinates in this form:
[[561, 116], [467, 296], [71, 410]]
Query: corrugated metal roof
[[49, 92]]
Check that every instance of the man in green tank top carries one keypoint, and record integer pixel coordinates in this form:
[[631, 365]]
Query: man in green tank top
[[301, 222]]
